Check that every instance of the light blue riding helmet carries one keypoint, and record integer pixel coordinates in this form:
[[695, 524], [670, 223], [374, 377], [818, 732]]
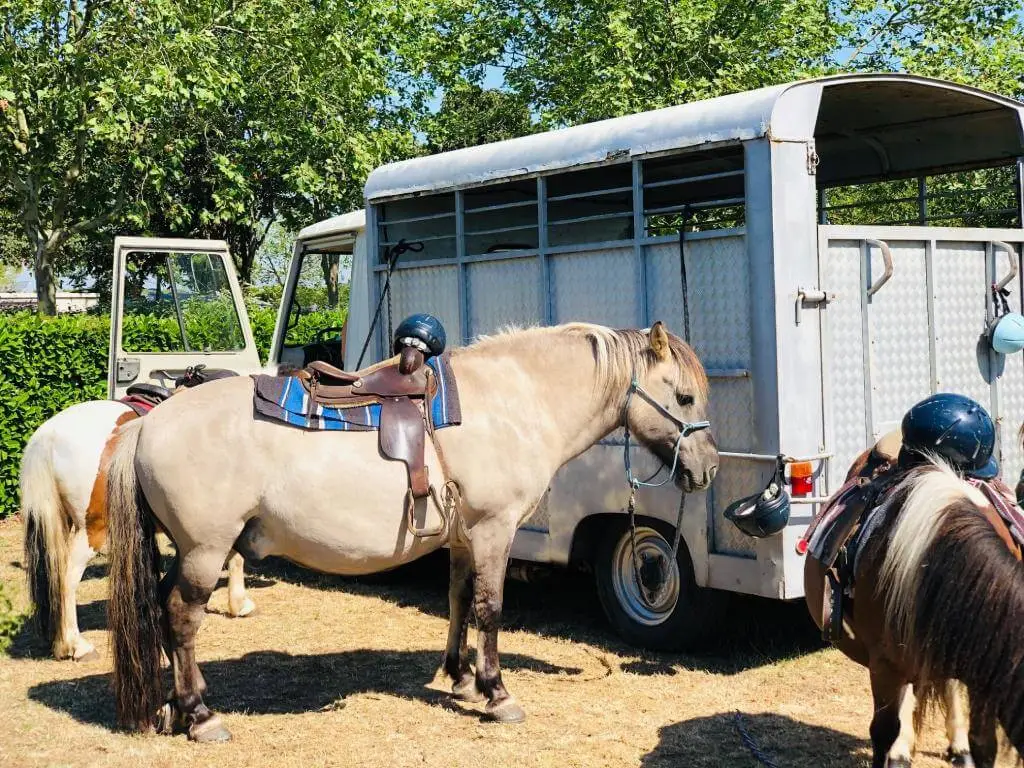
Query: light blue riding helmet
[[1006, 334]]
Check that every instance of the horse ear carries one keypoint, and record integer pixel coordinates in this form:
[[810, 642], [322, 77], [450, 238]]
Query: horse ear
[[659, 340]]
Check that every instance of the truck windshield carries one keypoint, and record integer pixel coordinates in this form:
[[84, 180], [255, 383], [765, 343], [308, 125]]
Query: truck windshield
[[179, 302], [318, 308]]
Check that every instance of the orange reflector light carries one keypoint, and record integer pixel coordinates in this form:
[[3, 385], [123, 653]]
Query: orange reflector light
[[801, 478]]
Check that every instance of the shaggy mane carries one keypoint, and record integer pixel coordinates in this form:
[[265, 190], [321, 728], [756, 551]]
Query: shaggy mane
[[617, 353]]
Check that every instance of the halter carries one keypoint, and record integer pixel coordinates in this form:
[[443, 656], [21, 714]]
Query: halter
[[686, 428]]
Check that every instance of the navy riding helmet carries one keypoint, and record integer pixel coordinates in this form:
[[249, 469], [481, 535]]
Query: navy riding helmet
[[423, 331], [954, 427]]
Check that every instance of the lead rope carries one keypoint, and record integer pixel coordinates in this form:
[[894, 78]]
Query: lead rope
[[748, 741], [633, 482], [391, 257]]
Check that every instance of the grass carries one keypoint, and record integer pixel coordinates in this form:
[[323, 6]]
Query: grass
[[337, 672]]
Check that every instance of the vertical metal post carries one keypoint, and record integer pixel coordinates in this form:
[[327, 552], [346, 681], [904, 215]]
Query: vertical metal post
[[1020, 192], [542, 250], [922, 201], [460, 256], [639, 233], [929, 280], [823, 206], [865, 302]]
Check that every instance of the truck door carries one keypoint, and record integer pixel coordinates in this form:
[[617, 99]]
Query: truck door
[[174, 304]]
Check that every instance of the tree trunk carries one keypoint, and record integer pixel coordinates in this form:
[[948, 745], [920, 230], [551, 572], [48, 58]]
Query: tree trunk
[[46, 280], [329, 265]]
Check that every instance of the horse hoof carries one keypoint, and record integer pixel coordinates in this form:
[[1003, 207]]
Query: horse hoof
[[960, 759], [210, 731], [467, 691], [91, 655], [248, 609], [505, 711], [165, 719]]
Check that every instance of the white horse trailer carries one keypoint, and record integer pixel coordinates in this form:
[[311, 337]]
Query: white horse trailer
[[816, 337]]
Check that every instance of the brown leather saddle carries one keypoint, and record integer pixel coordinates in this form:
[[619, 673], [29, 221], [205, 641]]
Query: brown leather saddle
[[403, 388]]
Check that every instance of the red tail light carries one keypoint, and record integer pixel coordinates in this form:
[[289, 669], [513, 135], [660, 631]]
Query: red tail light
[[801, 478]]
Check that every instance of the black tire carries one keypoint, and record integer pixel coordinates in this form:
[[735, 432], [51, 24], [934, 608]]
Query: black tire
[[684, 617]]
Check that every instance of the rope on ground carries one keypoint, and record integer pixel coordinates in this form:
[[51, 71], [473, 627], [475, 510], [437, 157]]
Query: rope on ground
[[751, 745]]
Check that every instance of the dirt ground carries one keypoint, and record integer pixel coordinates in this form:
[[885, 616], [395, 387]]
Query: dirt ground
[[337, 672]]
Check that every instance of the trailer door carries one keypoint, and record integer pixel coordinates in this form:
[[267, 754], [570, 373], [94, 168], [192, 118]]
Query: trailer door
[[906, 318], [175, 304]]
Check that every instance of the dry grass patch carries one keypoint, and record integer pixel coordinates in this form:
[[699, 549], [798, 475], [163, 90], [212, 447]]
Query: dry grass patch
[[337, 672]]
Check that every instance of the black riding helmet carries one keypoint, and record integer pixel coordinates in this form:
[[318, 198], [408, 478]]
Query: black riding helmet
[[763, 514], [426, 331], [954, 427]]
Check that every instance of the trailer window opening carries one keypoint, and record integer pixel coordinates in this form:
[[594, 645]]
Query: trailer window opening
[[699, 190], [978, 198], [429, 219], [500, 218], [590, 206]]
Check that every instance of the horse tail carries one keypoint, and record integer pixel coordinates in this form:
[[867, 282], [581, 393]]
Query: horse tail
[[47, 537], [954, 593], [133, 611]]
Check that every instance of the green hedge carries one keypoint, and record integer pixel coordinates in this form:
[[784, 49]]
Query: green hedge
[[48, 364]]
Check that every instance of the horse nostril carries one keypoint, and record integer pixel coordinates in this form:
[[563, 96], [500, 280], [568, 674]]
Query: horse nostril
[[712, 472]]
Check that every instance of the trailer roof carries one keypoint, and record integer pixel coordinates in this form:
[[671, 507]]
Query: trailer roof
[[351, 222], [897, 124]]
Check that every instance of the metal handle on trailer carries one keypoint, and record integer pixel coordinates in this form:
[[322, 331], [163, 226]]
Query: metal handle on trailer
[[887, 258], [1012, 257]]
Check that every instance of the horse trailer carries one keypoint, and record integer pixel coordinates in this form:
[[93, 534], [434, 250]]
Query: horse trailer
[[839, 240]]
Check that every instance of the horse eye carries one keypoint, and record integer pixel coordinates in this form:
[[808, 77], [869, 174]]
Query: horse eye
[[684, 400]]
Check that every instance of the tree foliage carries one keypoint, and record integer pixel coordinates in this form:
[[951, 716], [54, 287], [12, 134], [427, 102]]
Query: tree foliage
[[204, 118]]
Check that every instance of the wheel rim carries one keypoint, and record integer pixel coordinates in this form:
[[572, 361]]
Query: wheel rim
[[651, 606]]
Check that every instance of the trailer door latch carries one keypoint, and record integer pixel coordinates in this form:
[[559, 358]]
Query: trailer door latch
[[808, 297]]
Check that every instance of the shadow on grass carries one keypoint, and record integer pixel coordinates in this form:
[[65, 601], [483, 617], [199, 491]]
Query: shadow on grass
[[564, 604], [271, 682], [717, 740]]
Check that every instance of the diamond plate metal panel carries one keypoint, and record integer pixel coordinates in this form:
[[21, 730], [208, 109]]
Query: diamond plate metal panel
[[1011, 392], [844, 355], [428, 289], [899, 336], [960, 285], [503, 293], [718, 284], [596, 287], [735, 479]]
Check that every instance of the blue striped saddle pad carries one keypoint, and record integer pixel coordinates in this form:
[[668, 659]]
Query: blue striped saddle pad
[[284, 399]]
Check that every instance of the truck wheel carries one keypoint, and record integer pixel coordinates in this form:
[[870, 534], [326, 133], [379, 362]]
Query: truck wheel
[[678, 615]]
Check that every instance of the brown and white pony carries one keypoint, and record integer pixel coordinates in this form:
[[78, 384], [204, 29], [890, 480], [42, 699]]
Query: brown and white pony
[[939, 597], [215, 479], [63, 505]]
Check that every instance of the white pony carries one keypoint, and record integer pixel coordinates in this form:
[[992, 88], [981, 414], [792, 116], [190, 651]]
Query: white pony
[[63, 505]]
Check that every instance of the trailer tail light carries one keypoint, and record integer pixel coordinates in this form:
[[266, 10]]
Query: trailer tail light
[[801, 478]]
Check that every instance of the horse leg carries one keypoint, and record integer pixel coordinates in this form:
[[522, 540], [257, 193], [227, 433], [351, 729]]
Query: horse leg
[[901, 753], [490, 550], [79, 555], [959, 751], [456, 654], [982, 735], [239, 604], [886, 687], [198, 572]]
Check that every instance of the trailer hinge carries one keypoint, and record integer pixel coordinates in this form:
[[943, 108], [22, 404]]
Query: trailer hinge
[[812, 159], [811, 297]]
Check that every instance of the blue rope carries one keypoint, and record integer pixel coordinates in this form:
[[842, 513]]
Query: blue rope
[[751, 745]]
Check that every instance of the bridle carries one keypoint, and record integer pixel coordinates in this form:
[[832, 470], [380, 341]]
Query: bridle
[[686, 428]]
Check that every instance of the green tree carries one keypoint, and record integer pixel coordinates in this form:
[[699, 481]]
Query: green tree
[[205, 118], [471, 115]]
